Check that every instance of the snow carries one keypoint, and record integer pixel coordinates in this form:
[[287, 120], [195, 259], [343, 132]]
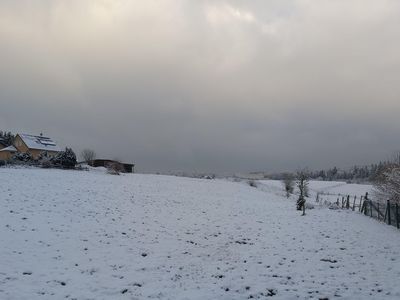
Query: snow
[[327, 187], [328, 190], [9, 148], [89, 235], [343, 188], [39, 142]]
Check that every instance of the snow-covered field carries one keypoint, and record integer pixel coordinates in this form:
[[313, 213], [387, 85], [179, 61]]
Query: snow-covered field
[[328, 191], [89, 235], [332, 188]]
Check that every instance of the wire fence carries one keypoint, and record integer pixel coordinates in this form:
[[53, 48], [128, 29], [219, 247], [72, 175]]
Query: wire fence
[[387, 212]]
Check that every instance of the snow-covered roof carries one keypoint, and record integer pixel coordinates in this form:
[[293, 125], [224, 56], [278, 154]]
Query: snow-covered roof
[[39, 142], [9, 148]]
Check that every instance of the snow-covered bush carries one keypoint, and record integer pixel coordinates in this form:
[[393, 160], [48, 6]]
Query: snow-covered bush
[[387, 183], [65, 159], [44, 155], [309, 205], [114, 168], [46, 164], [22, 157], [252, 183], [44, 160]]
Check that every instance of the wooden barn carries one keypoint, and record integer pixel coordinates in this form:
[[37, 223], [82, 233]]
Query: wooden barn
[[7, 152], [124, 167]]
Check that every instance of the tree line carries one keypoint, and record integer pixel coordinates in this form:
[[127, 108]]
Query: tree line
[[368, 173], [6, 137]]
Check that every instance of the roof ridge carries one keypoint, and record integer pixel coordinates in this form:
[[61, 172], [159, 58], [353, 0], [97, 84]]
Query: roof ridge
[[37, 136]]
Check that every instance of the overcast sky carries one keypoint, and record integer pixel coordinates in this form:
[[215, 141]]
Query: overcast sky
[[206, 85]]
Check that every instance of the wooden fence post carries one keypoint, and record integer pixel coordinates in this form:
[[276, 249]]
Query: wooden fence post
[[366, 201], [388, 212], [365, 204], [348, 202], [397, 215], [354, 202], [360, 208], [342, 201], [384, 219], [378, 210], [370, 208]]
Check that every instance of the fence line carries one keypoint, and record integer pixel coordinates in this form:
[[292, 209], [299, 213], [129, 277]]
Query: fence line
[[386, 212]]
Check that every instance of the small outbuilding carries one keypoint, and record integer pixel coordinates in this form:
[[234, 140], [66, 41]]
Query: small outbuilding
[[7, 152]]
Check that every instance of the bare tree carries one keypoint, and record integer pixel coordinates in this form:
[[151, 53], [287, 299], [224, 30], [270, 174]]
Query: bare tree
[[88, 155], [288, 183], [302, 184]]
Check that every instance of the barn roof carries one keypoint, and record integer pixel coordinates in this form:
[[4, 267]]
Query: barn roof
[[39, 142]]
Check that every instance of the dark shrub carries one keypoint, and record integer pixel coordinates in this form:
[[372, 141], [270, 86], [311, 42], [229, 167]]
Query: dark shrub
[[65, 159], [46, 164], [22, 157], [252, 183], [43, 156]]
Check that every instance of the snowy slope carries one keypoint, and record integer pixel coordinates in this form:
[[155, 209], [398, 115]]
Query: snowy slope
[[328, 187], [89, 235], [328, 191]]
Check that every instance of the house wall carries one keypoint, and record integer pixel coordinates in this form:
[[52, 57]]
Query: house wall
[[6, 155], [20, 145]]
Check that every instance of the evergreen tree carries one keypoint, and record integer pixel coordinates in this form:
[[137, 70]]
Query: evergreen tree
[[66, 159]]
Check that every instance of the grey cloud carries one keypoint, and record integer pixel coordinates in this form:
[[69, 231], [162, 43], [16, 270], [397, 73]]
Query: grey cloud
[[206, 85]]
